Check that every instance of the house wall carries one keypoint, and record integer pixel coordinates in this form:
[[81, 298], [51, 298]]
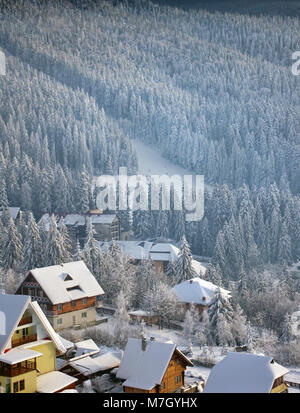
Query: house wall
[[73, 318], [46, 362], [29, 378], [74, 305], [176, 368]]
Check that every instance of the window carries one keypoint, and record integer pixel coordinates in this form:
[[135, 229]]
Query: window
[[177, 379], [25, 332], [16, 387], [41, 293], [59, 321], [73, 303], [83, 315], [22, 385], [84, 301], [59, 307]]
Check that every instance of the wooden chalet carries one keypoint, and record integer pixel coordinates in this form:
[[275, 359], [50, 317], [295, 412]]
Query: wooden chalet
[[67, 293], [149, 366]]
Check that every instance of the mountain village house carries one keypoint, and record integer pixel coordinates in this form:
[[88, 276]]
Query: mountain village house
[[28, 349], [161, 253], [106, 225], [67, 293], [197, 292], [149, 366], [246, 373]]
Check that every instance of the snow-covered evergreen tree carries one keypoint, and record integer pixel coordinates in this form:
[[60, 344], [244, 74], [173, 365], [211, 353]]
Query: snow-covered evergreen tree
[[183, 265], [219, 312], [32, 246], [121, 319], [12, 255], [54, 252]]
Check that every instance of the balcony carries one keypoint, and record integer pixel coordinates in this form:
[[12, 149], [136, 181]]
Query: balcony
[[21, 368], [24, 340], [25, 320]]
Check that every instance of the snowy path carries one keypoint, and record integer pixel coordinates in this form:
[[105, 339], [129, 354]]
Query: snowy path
[[151, 162]]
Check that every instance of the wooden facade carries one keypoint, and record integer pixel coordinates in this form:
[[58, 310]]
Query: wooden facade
[[172, 380], [31, 287]]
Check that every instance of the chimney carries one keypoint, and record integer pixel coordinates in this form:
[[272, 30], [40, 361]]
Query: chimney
[[191, 281], [144, 343]]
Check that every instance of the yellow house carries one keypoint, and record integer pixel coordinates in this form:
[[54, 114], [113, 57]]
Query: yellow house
[[28, 349]]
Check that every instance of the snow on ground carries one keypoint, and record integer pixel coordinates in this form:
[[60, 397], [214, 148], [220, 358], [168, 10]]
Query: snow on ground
[[193, 374], [151, 162]]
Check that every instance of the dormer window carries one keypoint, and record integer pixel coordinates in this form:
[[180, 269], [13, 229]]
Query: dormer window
[[67, 277]]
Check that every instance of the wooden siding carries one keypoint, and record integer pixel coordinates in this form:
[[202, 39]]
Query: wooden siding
[[169, 384], [78, 305]]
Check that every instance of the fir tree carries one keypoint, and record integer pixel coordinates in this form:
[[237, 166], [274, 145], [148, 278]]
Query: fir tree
[[32, 248], [12, 255]]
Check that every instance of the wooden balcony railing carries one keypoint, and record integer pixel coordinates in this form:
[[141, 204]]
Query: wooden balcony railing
[[20, 368], [25, 320], [24, 340]]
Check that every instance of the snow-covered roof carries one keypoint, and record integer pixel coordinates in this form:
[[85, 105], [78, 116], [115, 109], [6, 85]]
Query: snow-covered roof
[[53, 382], [145, 250], [197, 291], [143, 369], [17, 355], [90, 365], [140, 313], [86, 347], [51, 280], [13, 308], [77, 219], [102, 218], [244, 373], [13, 212]]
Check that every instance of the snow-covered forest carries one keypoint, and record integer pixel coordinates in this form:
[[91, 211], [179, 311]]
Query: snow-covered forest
[[212, 92]]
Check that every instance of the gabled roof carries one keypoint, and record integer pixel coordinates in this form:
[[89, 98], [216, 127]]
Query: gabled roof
[[13, 308], [197, 291], [17, 355], [90, 365], [13, 212], [54, 382], [244, 373], [145, 369], [77, 219], [82, 285]]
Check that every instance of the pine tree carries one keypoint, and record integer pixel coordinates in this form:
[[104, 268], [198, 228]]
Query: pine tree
[[32, 247], [66, 242], [54, 253], [91, 251], [3, 195], [12, 255], [121, 319], [183, 265], [219, 311]]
